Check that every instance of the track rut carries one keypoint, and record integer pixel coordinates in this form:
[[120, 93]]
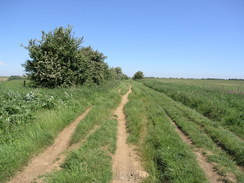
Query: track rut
[[45, 161], [126, 164]]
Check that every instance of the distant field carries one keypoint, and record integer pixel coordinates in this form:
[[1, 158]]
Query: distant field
[[3, 78], [225, 85]]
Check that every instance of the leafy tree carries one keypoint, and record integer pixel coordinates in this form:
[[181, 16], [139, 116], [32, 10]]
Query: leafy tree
[[59, 60], [138, 75], [95, 70], [118, 74]]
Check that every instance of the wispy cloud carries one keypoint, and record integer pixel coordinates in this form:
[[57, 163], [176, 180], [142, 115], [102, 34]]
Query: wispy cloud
[[2, 63]]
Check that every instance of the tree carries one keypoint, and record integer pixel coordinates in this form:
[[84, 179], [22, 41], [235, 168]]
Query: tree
[[95, 70], [138, 75], [59, 60], [117, 74]]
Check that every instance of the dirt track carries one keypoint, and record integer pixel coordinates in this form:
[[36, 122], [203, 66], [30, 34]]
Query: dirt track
[[126, 164], [206, 166], [45, 162]]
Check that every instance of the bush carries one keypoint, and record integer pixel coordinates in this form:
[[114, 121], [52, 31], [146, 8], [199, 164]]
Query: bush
[[138, 75], [59, 60], [116, 73]]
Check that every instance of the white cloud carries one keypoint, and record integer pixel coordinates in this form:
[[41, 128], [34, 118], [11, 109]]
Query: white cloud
[[2, 63]]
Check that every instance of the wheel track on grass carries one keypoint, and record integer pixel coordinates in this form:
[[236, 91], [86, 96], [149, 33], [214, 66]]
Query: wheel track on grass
[[126, 164], [45, 161], [206, 166], [61, 157], [217, 143]]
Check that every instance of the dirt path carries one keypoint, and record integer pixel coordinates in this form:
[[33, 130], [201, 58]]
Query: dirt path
[[126, 164], [206, 166], [45, 162]]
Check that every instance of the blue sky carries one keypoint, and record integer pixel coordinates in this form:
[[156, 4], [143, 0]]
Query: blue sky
[[162, 38]]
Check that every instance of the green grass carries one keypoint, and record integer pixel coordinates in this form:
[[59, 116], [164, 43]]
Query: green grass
[[101, 111], [22, 142], [92, 162], [221, 85], [165, 156], [208, 135], [223, 108], [149, 113], [202, 138]]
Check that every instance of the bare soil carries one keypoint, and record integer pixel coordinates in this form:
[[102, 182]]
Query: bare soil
[[126, 163], [46, 161]]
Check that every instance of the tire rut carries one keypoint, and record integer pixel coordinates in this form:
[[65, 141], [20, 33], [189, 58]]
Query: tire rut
[[46, 161], [126, 164], [206, 166]]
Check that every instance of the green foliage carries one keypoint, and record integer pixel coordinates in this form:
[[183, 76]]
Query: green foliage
[[58, 60], [17, 108], [51, 110], [117, 74], [138, 75]]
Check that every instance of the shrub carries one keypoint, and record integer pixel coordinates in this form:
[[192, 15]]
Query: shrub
[[59, 60], [138, 75]]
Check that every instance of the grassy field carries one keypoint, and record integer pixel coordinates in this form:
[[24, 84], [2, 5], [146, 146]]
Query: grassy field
[[31, 118], [225, 109], [236, 86], [166, 157]]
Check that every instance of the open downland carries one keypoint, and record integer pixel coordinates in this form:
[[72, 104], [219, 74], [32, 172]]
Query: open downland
[[45, 162]]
